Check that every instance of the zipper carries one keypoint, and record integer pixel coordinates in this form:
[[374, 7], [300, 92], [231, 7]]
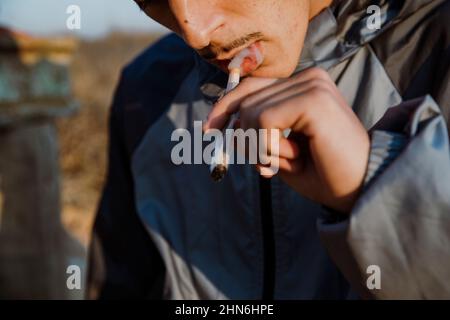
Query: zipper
[[268, 239]]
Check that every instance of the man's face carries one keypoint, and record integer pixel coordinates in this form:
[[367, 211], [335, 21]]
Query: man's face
[[219, 29]]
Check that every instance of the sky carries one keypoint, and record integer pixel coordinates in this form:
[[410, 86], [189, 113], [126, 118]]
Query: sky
[[97, 18]]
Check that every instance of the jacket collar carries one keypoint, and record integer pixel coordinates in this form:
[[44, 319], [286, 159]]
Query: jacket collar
[[341, 29]]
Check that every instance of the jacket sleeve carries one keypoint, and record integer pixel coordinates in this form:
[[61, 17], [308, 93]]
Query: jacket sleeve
[[123, 261], [401, 222]]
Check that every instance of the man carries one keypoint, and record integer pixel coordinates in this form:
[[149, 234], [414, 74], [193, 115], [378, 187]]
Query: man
[[361, 205]]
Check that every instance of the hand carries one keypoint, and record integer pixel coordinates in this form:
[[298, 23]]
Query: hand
[[325, 156]]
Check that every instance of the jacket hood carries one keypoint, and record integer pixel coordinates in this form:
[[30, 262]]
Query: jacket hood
[[341, 29], [352, 17]]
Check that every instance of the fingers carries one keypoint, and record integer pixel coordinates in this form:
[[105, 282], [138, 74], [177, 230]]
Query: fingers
[[275, 144], [300, 103], [230, 103], [288, 93], [282, 165], [301, 112], [281, 85], [263, 91], [287, 149], [284, 109]]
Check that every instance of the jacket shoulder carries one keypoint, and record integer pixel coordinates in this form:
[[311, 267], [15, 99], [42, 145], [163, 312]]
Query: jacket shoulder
[[148, 85], [167, 57], [414, 50]]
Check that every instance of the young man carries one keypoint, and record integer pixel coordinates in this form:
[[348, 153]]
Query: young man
[[361, 205]]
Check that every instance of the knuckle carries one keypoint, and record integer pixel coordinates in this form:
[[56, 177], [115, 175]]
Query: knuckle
[[320, 85], [318, 92], [322, 100], [320, 73], [265, 118]]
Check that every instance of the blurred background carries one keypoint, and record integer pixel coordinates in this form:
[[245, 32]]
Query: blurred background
[[57, 79]]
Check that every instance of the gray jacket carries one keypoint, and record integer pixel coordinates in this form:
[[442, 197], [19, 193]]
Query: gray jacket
[[167, 231]]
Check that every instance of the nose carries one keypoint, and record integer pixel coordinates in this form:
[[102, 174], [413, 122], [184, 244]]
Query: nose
[[197, 20]]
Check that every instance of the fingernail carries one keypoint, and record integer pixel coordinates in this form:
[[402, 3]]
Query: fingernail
[[266, 172]]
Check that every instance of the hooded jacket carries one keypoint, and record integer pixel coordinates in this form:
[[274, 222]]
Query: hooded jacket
[[168, 231]]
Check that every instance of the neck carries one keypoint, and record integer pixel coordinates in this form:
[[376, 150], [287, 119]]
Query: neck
[[316, 6]]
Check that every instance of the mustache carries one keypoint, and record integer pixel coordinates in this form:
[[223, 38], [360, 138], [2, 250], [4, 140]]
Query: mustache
[[211, 52]]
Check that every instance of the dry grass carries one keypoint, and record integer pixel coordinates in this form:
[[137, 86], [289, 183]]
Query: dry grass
[[83, 137]]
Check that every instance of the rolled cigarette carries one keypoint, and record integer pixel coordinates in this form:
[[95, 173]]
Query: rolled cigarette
[[233, 79], [245, 61], [221, 158]]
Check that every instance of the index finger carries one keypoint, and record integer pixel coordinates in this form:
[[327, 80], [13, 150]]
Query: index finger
[[230, 103]]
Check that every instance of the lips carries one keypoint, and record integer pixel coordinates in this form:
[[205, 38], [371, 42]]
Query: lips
[[253, 57], [249, 64]]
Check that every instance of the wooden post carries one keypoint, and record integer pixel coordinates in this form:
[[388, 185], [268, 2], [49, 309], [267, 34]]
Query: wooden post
[[35, 250]]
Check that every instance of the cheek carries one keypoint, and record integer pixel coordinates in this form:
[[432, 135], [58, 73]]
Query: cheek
[[296, 22], [292, 36]]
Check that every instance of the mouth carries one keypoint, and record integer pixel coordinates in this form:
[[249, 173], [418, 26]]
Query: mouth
[[249, 64]]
